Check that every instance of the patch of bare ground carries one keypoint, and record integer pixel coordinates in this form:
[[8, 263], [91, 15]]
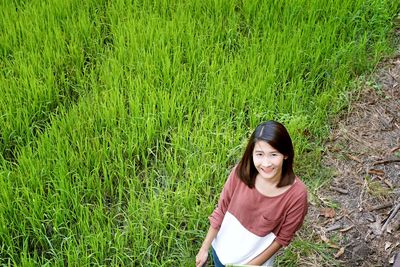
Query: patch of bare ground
[[358, 213]]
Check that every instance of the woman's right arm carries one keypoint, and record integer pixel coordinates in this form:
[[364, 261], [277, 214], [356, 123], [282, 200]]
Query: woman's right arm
[[216, 217], [202, 256]]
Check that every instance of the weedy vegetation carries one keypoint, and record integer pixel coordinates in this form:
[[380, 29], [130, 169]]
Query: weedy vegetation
[[120, 120]]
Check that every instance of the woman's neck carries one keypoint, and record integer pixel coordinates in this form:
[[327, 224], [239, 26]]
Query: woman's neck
[[269, 188]]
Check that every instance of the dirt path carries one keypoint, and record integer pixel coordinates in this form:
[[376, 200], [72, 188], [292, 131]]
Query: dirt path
[[359, 215]]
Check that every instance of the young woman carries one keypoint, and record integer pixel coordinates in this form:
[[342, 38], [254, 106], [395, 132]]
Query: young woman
[[261, 205]]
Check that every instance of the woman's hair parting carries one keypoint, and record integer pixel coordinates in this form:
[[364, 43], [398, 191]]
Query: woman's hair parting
[[276, 135]]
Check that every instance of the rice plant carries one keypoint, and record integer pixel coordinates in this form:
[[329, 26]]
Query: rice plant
[[121, 119]]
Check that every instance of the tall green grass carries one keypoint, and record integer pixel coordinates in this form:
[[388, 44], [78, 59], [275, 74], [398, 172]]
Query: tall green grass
[[120, 120]]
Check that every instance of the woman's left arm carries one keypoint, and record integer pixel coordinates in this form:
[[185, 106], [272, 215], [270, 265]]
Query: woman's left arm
[[266, 254], [293, 221]]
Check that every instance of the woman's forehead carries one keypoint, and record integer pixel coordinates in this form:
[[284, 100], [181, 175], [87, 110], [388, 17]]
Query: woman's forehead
[[261, 145]]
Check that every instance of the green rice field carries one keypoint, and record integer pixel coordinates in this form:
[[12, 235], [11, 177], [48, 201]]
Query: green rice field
[[120, 120]]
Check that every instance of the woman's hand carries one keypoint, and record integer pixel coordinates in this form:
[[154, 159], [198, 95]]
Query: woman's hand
[[201, 257]]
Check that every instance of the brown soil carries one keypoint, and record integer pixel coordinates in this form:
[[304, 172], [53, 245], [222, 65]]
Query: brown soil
[[358, 212]]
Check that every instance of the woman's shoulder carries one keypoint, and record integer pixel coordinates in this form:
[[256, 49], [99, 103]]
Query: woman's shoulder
[[300, 183], [233, 179], [233, 174], [299, 189]]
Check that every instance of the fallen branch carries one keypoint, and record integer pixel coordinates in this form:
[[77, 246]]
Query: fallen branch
[[381, 206], [386, 161], [388, 183], [392, 227], [340, 190], [394, 149], [359, 139], [347, 228], [334, 227], [376, 172], [391, 216], [360, 203], [354, 158], [339, 253], [328, 242]]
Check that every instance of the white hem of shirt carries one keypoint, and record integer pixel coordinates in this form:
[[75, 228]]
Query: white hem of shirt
[[234, 244]]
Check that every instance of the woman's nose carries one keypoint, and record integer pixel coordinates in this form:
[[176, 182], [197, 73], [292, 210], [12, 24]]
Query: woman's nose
[[266, 163]]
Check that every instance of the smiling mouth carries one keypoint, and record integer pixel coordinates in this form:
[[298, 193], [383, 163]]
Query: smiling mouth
[[267, 170]]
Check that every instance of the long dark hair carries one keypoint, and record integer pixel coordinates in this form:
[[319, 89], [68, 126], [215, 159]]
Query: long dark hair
[[276, 135]]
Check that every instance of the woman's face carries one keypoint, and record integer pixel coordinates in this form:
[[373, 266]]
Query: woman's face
[[268, 161]]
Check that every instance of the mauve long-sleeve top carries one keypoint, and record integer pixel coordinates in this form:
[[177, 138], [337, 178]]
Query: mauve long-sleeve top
[[249, 221]]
